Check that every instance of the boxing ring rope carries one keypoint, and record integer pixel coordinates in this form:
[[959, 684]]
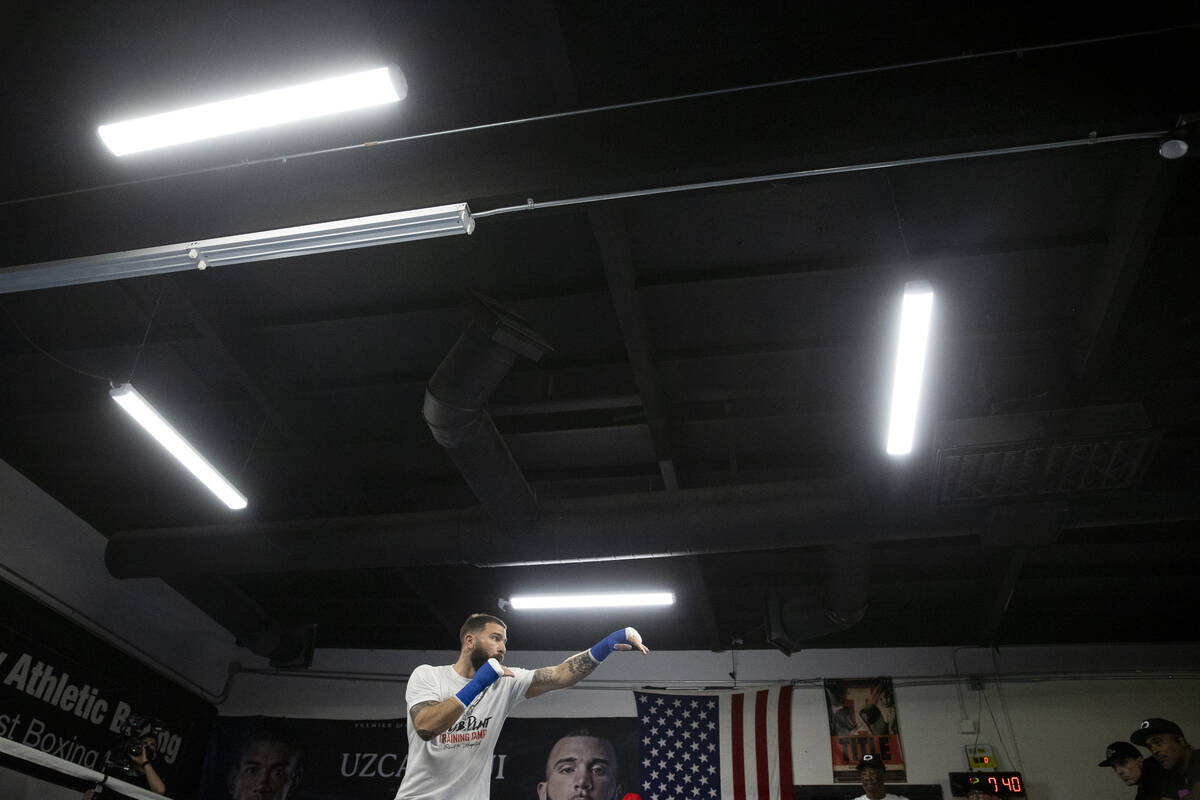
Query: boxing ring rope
[[33, 756]]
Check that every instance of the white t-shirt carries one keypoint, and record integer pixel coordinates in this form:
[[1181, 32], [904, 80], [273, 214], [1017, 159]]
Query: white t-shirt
[[457, 764], [888, 796]]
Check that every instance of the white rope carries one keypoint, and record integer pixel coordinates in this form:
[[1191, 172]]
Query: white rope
[[33, 756]]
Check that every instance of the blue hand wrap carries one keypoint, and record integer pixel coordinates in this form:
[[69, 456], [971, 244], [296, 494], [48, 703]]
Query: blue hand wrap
[[485, 676], [600, 650]]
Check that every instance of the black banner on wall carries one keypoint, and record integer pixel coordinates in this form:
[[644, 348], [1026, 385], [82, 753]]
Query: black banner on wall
[[67, 693], [318, 758], [324, 759]]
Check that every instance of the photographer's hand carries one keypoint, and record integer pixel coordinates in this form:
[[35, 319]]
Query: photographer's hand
[[142, 760], [153, 780]]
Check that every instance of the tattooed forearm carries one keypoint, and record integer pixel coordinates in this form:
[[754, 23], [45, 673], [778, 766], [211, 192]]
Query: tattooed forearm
[[562, 675], [580, 665], [414, 711]]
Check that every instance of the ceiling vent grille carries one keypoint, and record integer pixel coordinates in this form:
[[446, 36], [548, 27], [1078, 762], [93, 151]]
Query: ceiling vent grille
[[1041, 455]]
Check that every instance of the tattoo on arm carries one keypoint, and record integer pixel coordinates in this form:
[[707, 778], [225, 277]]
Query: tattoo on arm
[[560, 676], [581, 664], [412, 713]]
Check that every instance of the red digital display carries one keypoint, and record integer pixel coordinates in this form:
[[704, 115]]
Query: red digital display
[[1001, 784], [1010, 783]]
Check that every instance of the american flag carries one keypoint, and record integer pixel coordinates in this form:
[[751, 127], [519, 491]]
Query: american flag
[[716, 745]]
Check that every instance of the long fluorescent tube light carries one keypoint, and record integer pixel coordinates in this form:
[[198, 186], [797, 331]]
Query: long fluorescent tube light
[[616, 600], [136, 406], [915, 313], [308, 100], [321, 237]]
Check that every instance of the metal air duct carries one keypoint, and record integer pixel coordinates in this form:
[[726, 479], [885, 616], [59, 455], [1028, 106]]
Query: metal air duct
[[454, 410], [839, 604]]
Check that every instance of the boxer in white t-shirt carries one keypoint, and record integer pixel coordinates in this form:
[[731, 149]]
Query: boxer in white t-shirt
[[455, 712]]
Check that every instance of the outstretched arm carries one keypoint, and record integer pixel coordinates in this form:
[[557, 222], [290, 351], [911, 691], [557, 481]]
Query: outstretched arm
[[579, 666]]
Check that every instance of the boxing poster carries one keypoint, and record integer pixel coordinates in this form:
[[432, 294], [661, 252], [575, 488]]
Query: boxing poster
[[535, 757], [69, 694], [863, 718], [292, 758]]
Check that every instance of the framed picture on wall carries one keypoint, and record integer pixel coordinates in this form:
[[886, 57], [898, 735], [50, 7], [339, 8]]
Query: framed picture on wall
[[863, 718]]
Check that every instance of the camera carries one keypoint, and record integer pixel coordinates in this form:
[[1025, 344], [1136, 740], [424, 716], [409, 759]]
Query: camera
[[128, 756], [138, 726], [134, 748]]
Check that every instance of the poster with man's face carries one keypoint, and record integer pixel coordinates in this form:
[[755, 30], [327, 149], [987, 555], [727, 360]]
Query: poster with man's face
[[562, 759], [863, 718], [270, 758]]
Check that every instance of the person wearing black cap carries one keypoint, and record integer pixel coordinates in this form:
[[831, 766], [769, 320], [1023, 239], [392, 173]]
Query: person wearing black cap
[[1181, 768], [1131, 766], [978, 789], [870, 773]]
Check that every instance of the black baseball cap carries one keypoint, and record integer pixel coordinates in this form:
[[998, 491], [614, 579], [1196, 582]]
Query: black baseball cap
[[871, 761], [977, 785], [1151, 727], [1119, 751]]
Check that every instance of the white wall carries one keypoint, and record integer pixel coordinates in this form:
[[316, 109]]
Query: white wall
[[1047, 712], [1053, 731], [53, 555]]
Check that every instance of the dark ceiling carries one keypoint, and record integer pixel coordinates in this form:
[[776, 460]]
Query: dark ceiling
[[711, 416]]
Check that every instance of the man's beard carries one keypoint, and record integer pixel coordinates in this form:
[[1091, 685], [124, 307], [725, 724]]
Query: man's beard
[[479, 657]]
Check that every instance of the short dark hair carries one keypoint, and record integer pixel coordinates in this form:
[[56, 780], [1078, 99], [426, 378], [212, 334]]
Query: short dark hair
[[587, 733], [266, 735], [477, 622]]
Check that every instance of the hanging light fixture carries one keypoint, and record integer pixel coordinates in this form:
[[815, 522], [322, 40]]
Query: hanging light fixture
[[265, 109], [321, 237], [915, 312], [599, 600], [165, 434]]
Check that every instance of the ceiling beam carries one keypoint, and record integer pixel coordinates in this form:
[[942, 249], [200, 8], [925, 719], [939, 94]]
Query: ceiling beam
[[1138, 210], [1002, 596], [333, 482], [620, 272], [333, 485]]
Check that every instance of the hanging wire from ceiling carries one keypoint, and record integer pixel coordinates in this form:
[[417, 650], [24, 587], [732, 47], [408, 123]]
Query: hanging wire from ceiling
[[1091, 140], [145, 336], [78, 370], [1011, 51], [899, 219], [1008, 718], [1016, 762], [47, 353]]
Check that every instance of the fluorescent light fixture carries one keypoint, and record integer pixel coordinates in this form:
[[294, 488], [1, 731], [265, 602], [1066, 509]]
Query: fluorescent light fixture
[[613, 600], [915, 313], [308, 100], [136, 406], [321, 237]]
